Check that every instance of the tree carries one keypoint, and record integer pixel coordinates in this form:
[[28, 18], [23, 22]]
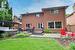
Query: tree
[[1, 18], [6, 12], [7, 5], [10, 13]]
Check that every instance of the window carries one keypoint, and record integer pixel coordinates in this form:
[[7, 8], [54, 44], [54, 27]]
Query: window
[[54, 24], [50, 24], [40, 25], [27, 25], [37, 15], [55, 12], [58, 24]]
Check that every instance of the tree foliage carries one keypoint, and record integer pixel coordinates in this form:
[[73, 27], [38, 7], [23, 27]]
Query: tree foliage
[[5, 12]]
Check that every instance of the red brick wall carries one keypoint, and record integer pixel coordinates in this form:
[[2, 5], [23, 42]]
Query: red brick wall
[[71, 22]]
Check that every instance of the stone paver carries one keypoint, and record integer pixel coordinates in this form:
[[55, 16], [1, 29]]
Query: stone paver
[[47, 35]]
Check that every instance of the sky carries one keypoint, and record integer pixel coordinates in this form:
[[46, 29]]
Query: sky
[[24, 6]]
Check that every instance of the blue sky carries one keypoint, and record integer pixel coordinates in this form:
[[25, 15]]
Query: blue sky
[[23, 6]]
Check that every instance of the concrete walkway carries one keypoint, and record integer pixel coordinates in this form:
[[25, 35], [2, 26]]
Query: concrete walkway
[[47, 35]]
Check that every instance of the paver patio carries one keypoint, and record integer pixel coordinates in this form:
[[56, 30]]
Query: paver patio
[[47, 35]]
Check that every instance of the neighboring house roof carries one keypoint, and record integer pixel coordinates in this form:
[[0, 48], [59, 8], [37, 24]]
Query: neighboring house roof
[[70, 14], [16, 20], [45, 9]]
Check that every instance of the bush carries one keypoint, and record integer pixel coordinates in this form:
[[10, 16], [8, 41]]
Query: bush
[[47, 31], [6, 34], [72, 46], [1, 32], [22, 35]]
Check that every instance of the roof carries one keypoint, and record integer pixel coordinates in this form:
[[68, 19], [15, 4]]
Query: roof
[[59, 7], [44, 9], [32, 13], [70, 14]]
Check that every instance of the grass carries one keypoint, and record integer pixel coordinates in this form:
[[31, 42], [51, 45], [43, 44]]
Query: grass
[[30, 44]]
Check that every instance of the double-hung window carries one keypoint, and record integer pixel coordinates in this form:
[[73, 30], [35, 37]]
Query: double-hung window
[[55, 11], [37, 15]]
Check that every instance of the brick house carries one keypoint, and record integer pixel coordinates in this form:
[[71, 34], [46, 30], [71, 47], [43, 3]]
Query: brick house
[[53, 18], [71, 22]]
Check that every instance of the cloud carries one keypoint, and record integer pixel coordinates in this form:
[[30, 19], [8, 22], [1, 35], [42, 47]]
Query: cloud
[[37, 6]]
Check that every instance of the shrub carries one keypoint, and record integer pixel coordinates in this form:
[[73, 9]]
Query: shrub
[[47, 31], [22, 35], [1, 32], [72, 46], [6, 34]]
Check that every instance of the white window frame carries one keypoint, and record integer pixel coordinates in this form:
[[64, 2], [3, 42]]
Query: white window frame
[[55, 25], [48, 22], [40, 25], [37, 15], [55, 11], [61, 24]]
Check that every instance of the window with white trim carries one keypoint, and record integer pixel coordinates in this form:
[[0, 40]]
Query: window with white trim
[[40, 25], [54, 24], [37, 15], [55, 11], [58, 25], [50, 24]]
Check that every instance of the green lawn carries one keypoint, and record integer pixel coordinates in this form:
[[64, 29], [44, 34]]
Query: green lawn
[[30, 44]]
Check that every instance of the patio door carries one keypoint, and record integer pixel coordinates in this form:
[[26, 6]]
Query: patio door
[[27, 26]]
